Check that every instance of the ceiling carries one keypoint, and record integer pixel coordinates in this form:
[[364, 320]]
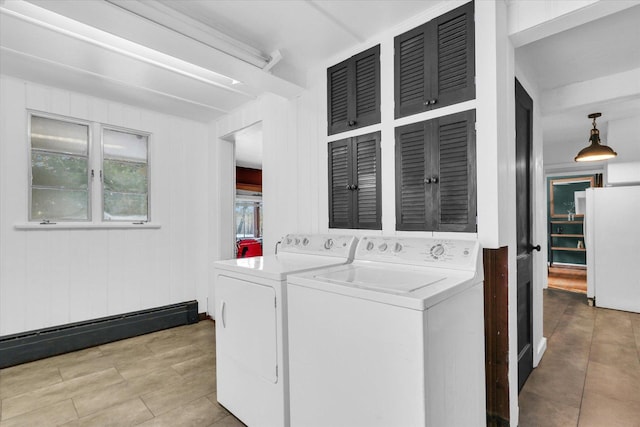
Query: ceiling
[[167, 55], [597, 64]]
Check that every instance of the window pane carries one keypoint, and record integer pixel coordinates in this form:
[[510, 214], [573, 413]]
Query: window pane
[[54, 204], [125, 177], [123, 206], [58, 170], [57, 135], [124, 146]]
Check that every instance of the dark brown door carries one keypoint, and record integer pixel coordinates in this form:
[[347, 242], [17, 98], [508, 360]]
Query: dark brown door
[[524, 119]]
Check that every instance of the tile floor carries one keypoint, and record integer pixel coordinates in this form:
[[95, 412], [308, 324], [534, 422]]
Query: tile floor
[[589, 376], [166, 378], [590, 373]]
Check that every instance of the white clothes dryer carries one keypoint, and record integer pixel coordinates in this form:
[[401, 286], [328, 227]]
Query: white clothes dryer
[[251, 324], [395, 338]]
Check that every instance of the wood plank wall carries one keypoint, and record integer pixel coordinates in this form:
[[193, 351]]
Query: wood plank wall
[[54, 277], [496, 324]]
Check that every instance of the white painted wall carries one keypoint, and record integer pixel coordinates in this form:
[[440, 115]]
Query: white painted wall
[[53, 277]]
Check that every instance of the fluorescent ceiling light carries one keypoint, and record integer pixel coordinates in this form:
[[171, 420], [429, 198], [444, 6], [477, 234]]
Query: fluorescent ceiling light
[[63, 25]]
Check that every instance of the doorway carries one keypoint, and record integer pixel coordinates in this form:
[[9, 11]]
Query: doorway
[[248, 206]]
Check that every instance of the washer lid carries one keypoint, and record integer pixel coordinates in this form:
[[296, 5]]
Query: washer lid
[[395, 282]]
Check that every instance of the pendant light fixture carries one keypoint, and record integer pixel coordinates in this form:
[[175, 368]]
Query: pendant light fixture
[[595, 151]]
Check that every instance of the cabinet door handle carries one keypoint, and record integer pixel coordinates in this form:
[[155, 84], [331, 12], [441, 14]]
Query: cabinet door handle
[[433, 101], [434, 179], [348, 187], [351, 123], [354, 187], [222, 307], [534, 248], [427, 180]]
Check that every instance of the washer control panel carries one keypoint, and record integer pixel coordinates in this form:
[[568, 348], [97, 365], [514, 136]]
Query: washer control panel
[[448, 253], [319, 244]]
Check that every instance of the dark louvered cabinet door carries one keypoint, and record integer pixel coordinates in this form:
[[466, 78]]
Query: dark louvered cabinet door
[[338, 98], [366, 156], [411, 72], [411, 188], [366, 88], [454, 78], [353, 92], [340, 179], [456, 186]]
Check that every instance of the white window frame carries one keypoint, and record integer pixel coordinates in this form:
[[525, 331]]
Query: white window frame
[[95, 189], [104, 127], [30, 171]]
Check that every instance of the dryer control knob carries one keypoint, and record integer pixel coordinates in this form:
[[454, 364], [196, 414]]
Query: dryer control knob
[[382, 247], [297, 241], [370, 246], [397, 247], [328, 244], [437, 251], [305, 241]]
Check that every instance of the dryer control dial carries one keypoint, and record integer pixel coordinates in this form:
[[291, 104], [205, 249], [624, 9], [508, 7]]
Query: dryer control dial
[[369, 246], [437, 251], [328, 244], [382, 247], [397, 247]]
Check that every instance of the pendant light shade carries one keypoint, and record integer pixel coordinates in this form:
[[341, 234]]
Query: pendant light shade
[[595, 151]]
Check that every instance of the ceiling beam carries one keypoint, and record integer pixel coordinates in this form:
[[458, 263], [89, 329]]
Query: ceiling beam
[[549, 20], [130, 26], [618, 87]]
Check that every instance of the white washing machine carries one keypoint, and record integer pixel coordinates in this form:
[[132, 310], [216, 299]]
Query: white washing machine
[[395, 338], [251, 324]]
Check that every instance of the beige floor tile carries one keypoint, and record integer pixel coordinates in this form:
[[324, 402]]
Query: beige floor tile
[[86, 367], [616, 382], [598, 410], [116, 393], [14, 382], [623, 357], [144, 366], [537, 411], [126, 353], [52, 415], [200, 412], [202, 365], [49, 395], [170, 397], [228, 421], [129, 413]]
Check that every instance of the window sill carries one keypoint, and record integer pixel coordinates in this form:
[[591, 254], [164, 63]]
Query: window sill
[[86, 226]]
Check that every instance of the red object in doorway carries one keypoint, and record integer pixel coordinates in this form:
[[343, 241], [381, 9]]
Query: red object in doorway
[[249, 248]]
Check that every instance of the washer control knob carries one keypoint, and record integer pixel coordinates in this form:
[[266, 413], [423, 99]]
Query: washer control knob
[[370, 246], [437, 251], [288, 240], [328, 244], [397, 247], [382, 247], [305, 241], [297, 241]]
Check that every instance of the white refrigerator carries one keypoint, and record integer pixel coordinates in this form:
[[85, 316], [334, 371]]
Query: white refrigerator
[[612, 238]]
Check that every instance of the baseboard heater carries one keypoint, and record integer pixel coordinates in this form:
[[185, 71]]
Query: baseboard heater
[[33, 345]]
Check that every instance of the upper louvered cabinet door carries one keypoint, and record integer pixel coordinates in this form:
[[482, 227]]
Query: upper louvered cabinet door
[[353, 92], [340, 179], [434, 63], [338, 97], [455, 154], [413, 194], [454, 78], [366, 89], [411, 72], [366, 157]]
